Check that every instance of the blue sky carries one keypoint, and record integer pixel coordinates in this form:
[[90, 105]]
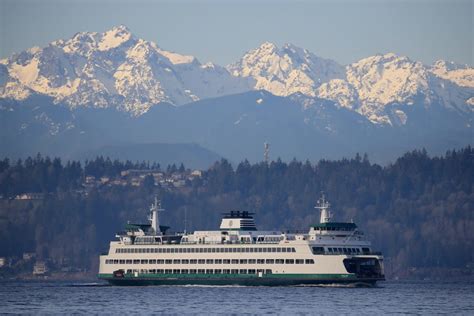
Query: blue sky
[[221, 31]]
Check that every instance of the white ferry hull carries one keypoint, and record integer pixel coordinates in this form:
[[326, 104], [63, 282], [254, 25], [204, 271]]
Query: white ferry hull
[[268, 280], [322, 269]]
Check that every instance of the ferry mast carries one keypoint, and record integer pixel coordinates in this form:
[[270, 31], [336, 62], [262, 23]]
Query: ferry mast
[[323, 205], [154, 219]]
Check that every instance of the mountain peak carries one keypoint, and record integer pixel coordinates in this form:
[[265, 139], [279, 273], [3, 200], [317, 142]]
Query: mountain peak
[[444, 65], [115, 37], [120, 29], [287, 70], [390, 55], [384, 58], [462, 75], [266, 47], [177, 59]]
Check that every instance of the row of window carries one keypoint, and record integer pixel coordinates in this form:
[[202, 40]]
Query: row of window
[[202, 250], [335, 228], [200, 271], [346, 250], [333, 250], [209, 261]]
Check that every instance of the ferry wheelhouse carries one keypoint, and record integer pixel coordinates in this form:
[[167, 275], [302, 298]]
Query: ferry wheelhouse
[[238, 253]]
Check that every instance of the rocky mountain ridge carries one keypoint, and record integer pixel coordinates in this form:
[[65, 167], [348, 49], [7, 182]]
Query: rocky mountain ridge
[[116, 69], [112, 69]]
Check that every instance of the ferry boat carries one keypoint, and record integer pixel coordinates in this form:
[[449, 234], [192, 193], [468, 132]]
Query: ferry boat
[[238, 253]]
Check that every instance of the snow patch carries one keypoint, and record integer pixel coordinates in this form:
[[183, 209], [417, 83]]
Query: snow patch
[[341, 92], [176, 58], [25, 74], [470, 101], [401, 116], [114, 38], [462, 75]]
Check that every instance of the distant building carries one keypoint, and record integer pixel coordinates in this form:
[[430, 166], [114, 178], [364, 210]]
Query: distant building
[[40, 268], [138, 173], [30, 196], [104, 180], [179, 183], [124, 173], [157, 177], [136, 182], [118, 182], [3, 262], [164, 183], [90, 179], [28, 255], [176, 176], [196, 173]]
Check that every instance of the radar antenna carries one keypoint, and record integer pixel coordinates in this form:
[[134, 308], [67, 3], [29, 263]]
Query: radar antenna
[[323, 205]]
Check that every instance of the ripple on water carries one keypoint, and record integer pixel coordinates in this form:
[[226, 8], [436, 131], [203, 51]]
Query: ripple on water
[[86, 298]]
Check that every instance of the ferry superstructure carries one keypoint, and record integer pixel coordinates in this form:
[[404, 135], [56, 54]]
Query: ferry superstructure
[[238, 253]]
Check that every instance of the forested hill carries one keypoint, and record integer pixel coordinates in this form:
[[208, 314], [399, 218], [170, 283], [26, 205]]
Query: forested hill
[[418, 210]]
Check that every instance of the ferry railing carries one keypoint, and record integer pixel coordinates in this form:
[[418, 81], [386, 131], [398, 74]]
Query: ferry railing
[[366, 253], [177, 243]]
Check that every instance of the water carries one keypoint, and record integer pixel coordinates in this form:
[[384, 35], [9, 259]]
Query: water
[[415, 297]]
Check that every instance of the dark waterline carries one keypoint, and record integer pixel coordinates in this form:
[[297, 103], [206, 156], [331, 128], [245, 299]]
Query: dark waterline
[[414, 297]]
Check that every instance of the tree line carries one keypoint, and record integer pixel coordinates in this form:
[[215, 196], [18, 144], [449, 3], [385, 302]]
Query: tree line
[[417, 210]]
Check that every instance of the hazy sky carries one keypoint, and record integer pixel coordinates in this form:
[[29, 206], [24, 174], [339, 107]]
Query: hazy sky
[[221, 31]]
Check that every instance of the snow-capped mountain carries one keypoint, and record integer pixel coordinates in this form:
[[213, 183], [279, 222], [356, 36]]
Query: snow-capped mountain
[[374, 83], [287, 70], [462, 75], [116, 69], [370, 86], [112, 69]]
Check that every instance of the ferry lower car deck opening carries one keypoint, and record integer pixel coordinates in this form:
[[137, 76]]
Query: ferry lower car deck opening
[[364, 267]]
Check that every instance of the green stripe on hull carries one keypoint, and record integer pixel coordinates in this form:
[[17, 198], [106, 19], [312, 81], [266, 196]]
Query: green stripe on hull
[[235, 279]]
